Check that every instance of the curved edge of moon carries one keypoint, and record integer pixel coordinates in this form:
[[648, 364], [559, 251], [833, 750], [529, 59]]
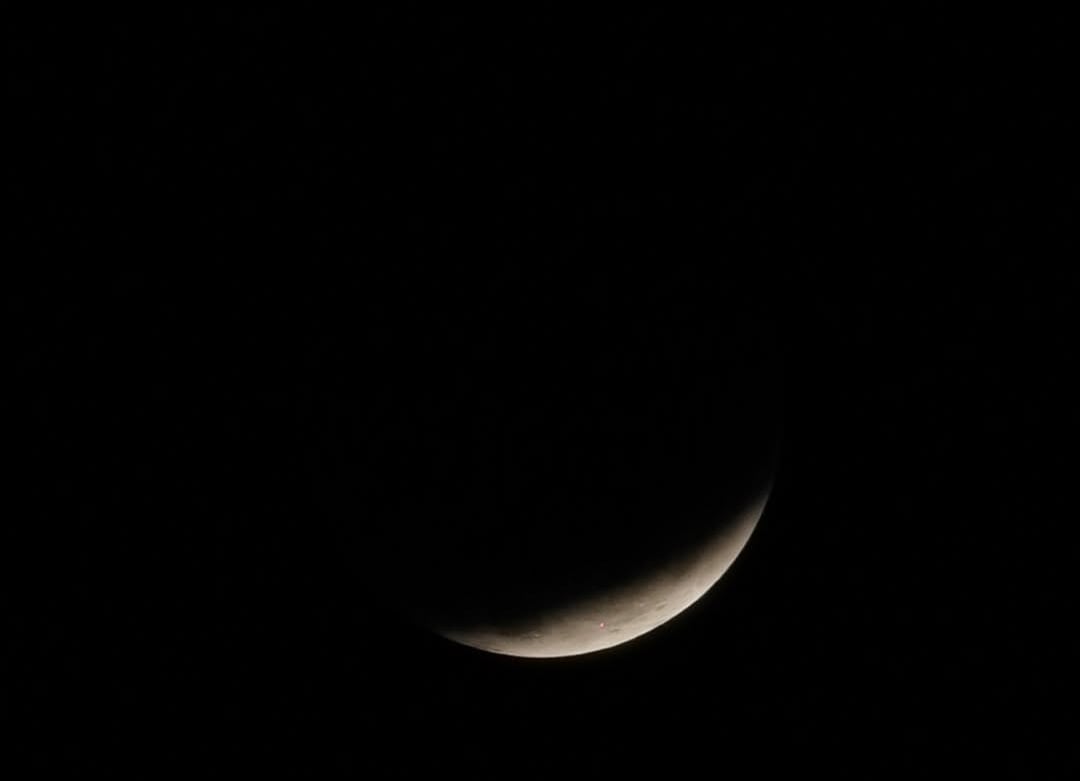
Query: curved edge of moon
[[624, 612]]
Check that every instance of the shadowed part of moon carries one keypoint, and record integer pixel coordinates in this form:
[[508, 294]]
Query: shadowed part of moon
[[515, 460], [625, 611]]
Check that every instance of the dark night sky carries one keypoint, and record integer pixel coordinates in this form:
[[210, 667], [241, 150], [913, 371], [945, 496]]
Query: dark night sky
[[222, 223]]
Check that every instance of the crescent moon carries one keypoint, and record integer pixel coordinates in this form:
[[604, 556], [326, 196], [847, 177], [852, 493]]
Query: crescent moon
[[626, 611]]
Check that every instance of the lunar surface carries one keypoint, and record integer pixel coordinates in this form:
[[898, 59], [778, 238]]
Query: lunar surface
[[569, 497], [552, 461], [624, 612]]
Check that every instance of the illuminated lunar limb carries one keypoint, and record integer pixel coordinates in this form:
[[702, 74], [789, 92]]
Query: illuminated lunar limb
[[624, 612]]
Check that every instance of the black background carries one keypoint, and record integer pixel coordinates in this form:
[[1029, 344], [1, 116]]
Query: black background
[[213, 216]]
